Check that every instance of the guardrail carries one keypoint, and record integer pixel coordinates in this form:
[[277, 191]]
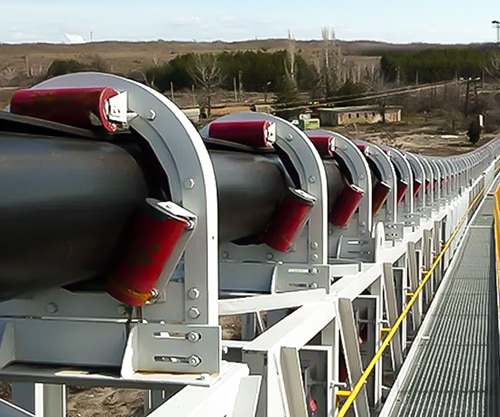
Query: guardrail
[[391, 332]]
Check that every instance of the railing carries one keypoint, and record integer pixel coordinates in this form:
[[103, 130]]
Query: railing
[[391, 332]]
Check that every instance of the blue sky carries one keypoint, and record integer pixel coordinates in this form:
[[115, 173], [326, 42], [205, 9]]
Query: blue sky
[[442, 21]]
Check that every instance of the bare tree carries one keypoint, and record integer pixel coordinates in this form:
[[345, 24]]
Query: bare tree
[[207, 74], [290, 59], [332, 70]]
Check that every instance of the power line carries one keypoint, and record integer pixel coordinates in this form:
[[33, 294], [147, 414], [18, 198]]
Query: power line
[[367, 96]]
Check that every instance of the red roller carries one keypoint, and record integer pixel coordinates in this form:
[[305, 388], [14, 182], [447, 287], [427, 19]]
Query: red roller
[[289, 219], [150, 242], [346, 205], [362, 147], [323, 144], [87, 108], [402, 189], [380, 193], [255, 133]]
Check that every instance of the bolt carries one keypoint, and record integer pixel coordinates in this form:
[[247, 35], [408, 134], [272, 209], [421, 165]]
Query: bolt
[[289, 137], [269, 256], [225, 255], [314, 245], [225, 350], [314, 271], [189, 183], [154, 295], [193, 293], [194, 312], [193, 337], [51, 308], [362, 224], [313, 285], [312, 179], [194, 360], [314, 257], [121, 309], [151, 115], [361, 177]]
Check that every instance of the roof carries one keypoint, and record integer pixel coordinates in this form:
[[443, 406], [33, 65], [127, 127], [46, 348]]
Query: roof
[[356, 108]]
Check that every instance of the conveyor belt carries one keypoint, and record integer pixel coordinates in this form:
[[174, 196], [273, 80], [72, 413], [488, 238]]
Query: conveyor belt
[[455, 371]]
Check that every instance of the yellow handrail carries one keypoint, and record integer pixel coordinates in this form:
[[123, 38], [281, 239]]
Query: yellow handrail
[[496, 213], [361, 382]]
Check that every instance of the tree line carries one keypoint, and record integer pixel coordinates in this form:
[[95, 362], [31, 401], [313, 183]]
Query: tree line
[[282, 73], [435, 65]]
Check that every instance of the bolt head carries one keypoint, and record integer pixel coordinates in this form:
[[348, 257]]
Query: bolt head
[[194, 312], [193, 337], [269, 256], [315, 257], [313, 285], [312, 179], [189, 183], [121, 309], [194, 293], [314, 245], [51, 308], [194, 360], [151, 115]]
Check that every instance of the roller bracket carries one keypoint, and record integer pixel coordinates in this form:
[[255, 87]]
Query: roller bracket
[[170, 348], [295, 277], [394, 231]]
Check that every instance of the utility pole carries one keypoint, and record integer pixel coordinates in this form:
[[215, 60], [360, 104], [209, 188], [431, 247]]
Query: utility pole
[[496, 25]]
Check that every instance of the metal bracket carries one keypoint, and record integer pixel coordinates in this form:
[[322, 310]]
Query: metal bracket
[[410, 220], [312, 177], [394, 231], [418, 176], [352, 157], [388, 174], [297, 277], [159, 348], [356, 248]]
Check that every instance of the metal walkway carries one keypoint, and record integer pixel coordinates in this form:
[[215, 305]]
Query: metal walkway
[[455, 371]]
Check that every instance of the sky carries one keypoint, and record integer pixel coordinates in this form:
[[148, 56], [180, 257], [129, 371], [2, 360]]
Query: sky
[[70, 21]]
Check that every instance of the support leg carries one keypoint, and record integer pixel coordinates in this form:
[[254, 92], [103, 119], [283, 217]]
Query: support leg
[[352, 353]]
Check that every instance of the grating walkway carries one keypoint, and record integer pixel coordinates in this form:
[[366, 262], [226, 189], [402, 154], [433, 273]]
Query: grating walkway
[[455, 371]]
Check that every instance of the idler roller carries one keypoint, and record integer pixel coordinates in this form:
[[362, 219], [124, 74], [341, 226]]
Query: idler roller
[[63, 207]]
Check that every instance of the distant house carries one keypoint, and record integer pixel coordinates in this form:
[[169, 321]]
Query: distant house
[[337, 116]]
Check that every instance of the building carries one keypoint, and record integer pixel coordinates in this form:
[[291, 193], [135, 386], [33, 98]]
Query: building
[[337, 116]]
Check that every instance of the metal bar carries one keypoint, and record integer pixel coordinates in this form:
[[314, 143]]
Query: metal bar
[[246, 400], [353, 355], [392, 314], [54, 401], [217, 401], [292, 378], [234, 306], [10, 410], [359, 387], [414, 281]]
